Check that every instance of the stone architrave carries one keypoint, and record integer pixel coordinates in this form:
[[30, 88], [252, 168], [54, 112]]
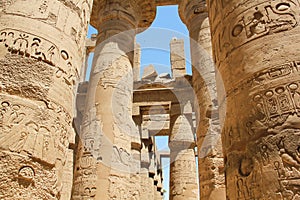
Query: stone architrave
[[41, 55], [108, 135], [256, 49], [210, 157]]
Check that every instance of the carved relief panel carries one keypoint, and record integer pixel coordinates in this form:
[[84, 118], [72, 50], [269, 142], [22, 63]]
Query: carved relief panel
[[25, 129], [32, 46], [67, 16], [270, 130], [256, 21], [23, 178]]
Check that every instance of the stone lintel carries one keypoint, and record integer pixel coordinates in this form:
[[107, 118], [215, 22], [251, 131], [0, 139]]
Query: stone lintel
[[166, 2]]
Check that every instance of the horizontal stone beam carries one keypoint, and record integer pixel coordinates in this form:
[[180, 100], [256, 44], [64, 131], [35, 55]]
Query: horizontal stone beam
[[166, 2], [164, 94]]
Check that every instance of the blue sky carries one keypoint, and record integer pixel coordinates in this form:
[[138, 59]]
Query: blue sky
[[155, 44], [155, 41]]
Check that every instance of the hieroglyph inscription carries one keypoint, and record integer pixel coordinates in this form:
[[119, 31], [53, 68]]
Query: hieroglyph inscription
[[272, 132], [29, 45], [122, 188], [273, 106], [69, 17], [270, 107], [259, 20], [85, 177]]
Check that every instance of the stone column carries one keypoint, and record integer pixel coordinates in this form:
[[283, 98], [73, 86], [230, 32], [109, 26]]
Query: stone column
[[210, 157], [147, 178], [177, 58], [256, 49], [41, 55], [183, 176], [137, 62], [109, 137]]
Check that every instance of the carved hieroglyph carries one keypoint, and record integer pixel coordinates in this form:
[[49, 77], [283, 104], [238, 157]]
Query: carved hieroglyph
[[109, 138], [194, 15], [256, 49], [40, 56]]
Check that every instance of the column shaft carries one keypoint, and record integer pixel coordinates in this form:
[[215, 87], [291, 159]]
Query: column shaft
[[107, 125], [183, 177], [210, 156], [256, 49], [40, 56], [106, 162]]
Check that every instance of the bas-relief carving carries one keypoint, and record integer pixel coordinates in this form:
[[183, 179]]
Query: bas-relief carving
[[88, 155], [274, 105], [29, 45], [271, 130], [91, 134], [147, 188], [122, 106], [25, 129], [85, 177], [121, 157], [67, 16], [275, 158], [42, 130], [116, 74], [23, 178], [255, 22], [271, 106], [123, 188]]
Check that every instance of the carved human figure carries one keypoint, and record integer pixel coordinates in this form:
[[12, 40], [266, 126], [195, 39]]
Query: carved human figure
[[109, 100], [260, 78], [36, 105]]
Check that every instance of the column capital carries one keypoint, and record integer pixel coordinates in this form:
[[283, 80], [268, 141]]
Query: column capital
[[130, 14], [189, 10], [182, 136]]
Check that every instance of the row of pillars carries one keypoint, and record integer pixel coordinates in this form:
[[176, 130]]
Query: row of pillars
[[255, 50]]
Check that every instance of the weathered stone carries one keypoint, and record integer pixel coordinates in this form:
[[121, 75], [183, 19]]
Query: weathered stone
[[110, 140], [149, 73], [177, 58], [42, 56], [256, 51], [194, 15], [183, 180], [41, 51], [163, 78], [137, 62]]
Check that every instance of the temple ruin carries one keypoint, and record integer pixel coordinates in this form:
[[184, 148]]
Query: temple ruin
[[238, 114]]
